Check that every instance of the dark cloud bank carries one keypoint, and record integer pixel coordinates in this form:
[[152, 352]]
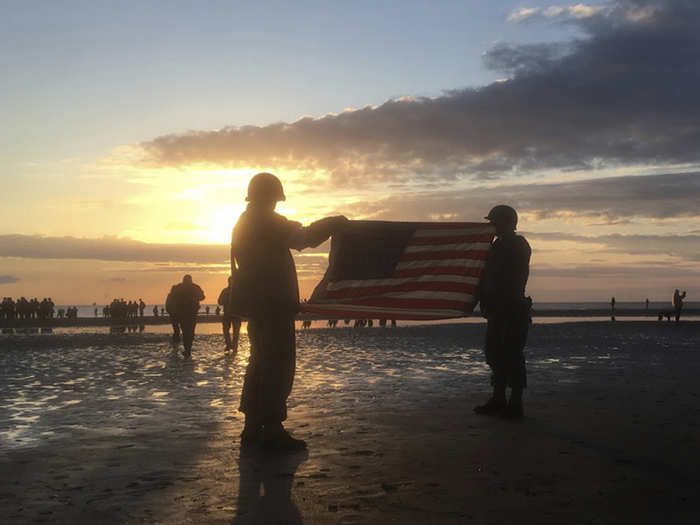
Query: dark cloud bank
[[610, 199], [625, 93], [109, 249]]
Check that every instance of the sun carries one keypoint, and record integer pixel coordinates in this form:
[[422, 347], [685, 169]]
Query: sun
[[217, 225]]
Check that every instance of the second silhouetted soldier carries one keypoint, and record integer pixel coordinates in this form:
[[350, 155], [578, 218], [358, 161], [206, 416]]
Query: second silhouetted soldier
[[265, 290], [503, 303], [185, 299], [229, 321]]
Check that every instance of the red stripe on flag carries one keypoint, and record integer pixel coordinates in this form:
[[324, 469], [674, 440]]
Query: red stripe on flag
[[478, 255], [439, 270], [455, 239], [392, 302], [360, 291], [353, 314]]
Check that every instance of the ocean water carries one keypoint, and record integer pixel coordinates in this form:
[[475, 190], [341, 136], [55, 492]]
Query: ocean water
[[654, 306]]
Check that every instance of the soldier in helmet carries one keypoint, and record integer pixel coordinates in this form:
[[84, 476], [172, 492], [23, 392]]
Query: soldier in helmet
[[184, 304], [265, 290], [229, 321], [503, 303]]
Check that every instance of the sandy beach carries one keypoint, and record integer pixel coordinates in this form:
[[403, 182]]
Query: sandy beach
[[117, 428]]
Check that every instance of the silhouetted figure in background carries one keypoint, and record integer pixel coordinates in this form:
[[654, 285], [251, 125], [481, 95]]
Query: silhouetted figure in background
[[229, 321], [142, 307], [612, 309], [503, 303], [184, 298], [266, 291], [678, 303], [647, 305], [170, 308]]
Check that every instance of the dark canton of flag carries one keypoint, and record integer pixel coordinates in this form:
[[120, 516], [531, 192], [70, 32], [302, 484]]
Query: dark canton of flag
[[402, 270]]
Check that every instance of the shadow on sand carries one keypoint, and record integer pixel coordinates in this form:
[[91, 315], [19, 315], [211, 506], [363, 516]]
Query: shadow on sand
[[265, 488]]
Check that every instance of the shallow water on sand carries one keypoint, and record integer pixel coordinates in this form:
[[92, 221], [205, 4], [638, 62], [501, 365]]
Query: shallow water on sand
[[54, 386]]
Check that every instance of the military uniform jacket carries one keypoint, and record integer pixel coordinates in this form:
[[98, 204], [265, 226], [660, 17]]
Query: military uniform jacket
[[184, 299], [505, 274], [265, 279]]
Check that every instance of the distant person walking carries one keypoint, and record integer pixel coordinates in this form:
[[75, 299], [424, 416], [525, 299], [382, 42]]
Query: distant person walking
[[185, 298], [229, 321], [647, 305], [503, 303], [170, 309], [678, 303], [266, 292], [612, 309]]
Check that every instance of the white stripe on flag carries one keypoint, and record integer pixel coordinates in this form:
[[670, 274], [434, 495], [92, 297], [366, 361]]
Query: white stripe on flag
[[456, 263], [342, 285], [416, 294], [471, 246]]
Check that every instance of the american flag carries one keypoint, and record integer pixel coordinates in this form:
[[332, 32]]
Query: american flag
[[402, 270]]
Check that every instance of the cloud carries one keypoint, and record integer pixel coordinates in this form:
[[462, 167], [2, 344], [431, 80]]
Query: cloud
[[682, 246], [611, 199], [644, 272], [577, 11], [522, 14], [9, 279], [109, 249], [157, 258], [624, 93]]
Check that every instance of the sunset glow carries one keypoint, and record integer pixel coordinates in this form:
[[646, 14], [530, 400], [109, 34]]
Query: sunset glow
[[157, 146]]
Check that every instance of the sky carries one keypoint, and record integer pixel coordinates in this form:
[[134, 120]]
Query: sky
[[130, 131]]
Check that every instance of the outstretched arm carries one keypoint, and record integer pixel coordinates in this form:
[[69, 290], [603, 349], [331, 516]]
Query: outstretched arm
[[317, 232]]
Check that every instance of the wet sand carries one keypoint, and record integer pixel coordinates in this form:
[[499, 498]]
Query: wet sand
[[117, 428]]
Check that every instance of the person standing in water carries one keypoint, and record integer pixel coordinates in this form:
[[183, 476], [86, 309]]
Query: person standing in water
[[266, 292], [678, 303], [612, 309], [229, 321], [185, 298], [507, 310]]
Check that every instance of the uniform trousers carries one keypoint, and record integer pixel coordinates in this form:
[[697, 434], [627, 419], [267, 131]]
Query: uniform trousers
[[506, 335], [187, 324], [270, 372]]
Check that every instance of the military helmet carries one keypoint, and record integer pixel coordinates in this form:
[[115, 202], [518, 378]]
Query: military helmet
[[265, 187], [503, 214]]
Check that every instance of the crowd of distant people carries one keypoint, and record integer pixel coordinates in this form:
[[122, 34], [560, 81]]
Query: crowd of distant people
[[357, 323], [122, 309], [24, 308]]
